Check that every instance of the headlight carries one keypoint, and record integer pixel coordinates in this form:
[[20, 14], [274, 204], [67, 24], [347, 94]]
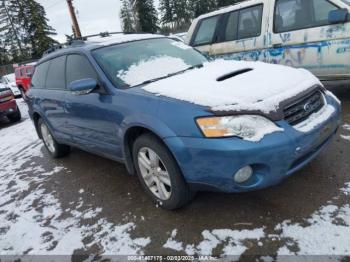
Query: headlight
[[248, 127]]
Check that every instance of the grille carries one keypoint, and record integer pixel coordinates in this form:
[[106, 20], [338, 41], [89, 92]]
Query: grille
[[302, 109]]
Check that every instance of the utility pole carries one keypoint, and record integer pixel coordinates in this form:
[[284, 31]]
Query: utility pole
[[77, 32]]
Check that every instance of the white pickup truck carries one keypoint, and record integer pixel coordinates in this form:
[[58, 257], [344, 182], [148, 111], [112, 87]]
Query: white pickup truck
[[313, 34]]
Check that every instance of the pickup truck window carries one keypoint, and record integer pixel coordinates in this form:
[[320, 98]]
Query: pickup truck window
[[244, 23], [291, 15], [249, 24], [206, 31]]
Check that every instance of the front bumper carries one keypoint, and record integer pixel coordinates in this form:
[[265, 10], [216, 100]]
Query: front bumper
[[210, 164]]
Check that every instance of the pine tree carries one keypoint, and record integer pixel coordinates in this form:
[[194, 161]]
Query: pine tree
[[166, 12], [35, 24], [11, 37], [127, 17], [222, 3], [181, 12], [200, 7], [24, 29], [146, 14]]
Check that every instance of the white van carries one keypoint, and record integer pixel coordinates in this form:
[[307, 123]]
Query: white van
[[313, 34]]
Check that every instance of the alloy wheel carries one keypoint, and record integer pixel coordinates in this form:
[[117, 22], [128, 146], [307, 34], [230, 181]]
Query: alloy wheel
[[154, 173]]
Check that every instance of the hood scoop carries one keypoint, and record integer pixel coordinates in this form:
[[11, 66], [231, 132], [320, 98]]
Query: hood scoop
[[233, 74]]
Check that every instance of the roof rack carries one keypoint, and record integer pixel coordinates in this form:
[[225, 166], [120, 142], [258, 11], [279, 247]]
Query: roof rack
[[78, 41]]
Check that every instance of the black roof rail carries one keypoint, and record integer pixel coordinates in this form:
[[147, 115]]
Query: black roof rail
[[81, 40]]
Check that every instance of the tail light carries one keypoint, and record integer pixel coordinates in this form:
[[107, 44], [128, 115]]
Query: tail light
[[6, 95]]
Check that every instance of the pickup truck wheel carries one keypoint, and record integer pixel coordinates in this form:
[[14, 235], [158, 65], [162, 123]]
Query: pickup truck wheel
[[15, 117], [159, 173], [55, 149]]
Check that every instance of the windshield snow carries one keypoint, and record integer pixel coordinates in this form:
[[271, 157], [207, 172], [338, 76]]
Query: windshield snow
[[346, 2], [134, 63]]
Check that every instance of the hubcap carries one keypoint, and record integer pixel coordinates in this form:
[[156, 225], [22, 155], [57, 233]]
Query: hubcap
[[47, 137], [154, 173]]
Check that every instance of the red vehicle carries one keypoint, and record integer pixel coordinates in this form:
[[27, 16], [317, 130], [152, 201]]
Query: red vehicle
[[8, 105], [23, 77]]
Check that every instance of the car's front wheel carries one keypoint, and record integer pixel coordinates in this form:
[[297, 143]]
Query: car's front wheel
[[55, 149], [159, 173]]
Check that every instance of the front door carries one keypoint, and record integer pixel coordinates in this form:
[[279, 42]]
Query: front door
[[91, 118], [301, 36]]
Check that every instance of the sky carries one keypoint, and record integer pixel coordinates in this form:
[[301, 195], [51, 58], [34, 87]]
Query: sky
[[94, 16]]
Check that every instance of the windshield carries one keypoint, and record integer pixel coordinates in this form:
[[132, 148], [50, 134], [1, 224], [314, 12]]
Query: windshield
[[138, 62]]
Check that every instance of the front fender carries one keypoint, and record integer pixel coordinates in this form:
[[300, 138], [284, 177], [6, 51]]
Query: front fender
[[153, 124]]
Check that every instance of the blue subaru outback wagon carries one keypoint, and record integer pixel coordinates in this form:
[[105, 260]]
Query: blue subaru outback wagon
[[180, 123]]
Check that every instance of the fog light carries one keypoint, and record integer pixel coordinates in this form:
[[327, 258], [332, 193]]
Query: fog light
[[243, 175]]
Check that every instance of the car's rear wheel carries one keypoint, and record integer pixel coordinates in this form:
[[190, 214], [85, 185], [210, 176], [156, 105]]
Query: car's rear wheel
[[159, 173], [15, 117], [55, 149]]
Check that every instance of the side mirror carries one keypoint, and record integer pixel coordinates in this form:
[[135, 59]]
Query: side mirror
[[338, 16], [83, 86]]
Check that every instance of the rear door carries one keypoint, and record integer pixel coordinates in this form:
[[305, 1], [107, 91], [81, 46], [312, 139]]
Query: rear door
[[243, 33], [52, 97], [301, 36], [90, 117]]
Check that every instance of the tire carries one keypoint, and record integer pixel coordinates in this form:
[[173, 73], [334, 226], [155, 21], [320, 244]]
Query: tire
[[173, 196], [15, 117], [55, 149]]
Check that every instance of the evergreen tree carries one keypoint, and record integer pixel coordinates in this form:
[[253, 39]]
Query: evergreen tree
[[166, 11], [35, 24], [24, 29], [200, 7], [146, 14], [11, 39], [127, 17], [221, 3], [181, 12]]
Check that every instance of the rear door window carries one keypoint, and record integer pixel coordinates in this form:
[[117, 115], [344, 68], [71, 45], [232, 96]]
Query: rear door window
[[78, 68], [56, 74], [206, 31], [39, 77]]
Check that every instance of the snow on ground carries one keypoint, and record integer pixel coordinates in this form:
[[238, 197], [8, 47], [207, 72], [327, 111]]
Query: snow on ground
[[326, 232], [262, 88], [46, 228]]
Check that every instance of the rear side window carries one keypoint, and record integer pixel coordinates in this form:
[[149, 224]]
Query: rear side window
[[78, 68], [23, 72], [232, 27], [56, 73], [249, 24], [293, 15], [39, 77], [245, 23], [206, 31]]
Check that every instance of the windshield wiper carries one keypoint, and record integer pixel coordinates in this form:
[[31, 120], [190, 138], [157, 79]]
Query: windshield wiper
[[168, 75]]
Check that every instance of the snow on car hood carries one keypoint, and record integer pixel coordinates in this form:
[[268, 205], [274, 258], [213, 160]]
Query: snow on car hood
[[236, 85]]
